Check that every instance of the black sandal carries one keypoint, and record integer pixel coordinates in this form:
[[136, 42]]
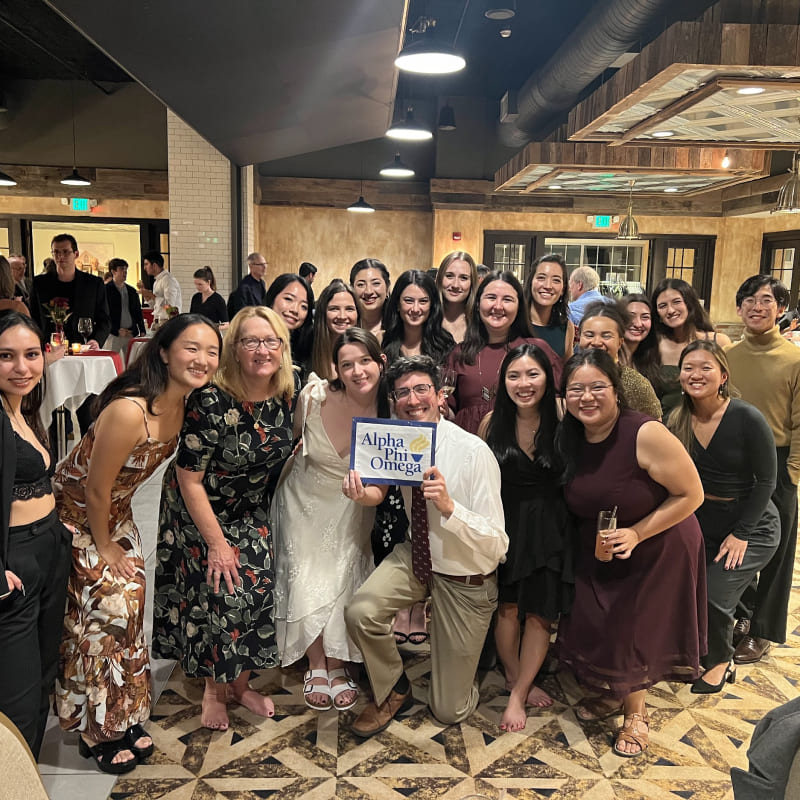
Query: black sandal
[[132, 735], [103, 754]]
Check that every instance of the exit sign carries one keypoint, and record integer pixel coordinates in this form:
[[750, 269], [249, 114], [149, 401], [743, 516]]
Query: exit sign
[[602, 221], [80, 203]]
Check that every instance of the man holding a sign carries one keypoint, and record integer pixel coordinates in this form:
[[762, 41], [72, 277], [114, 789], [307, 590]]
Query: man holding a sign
[[455, 541]]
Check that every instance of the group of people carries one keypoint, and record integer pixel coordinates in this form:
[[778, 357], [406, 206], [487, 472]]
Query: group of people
[[271, 550]]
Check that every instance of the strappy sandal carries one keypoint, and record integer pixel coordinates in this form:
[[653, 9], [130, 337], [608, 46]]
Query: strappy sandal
[[348, 686], [595, 709], [132, 735], [103, 754], [630, 734], [314, 688]]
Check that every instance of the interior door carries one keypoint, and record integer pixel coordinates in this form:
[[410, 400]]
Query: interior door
[[780, 258], [689, 258], [513, 251]]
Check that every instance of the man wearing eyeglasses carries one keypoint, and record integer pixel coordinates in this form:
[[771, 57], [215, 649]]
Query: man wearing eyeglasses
[[456, 540], [765, 368], [251, 290]]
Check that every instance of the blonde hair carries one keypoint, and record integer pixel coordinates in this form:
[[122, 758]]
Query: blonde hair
[[460, 255], [229, 374]]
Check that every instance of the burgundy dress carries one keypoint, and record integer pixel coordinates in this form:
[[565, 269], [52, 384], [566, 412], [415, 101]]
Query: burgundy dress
[[637, 621], [476, 384]]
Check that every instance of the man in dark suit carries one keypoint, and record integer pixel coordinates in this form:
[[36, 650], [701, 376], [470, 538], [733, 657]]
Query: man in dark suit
[[124, 309], [252, 289]]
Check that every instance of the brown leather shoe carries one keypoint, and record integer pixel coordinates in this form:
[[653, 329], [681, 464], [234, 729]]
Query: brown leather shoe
[[751, 650], [374, 719], [740, 630]]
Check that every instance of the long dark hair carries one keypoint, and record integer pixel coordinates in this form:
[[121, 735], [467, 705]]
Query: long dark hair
[[302, 337], [148, 376], [697, 318], [370, 343], [32, 401], [322, 348], [501, 435], [436, 341], [558, 315], [646, 358], [379, 266], [570, 435], [477, 337]]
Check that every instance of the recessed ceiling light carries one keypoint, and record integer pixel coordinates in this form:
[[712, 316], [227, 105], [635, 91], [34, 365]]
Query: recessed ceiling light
[[663, 134], [671, 189], [555, 186], [751, 90]]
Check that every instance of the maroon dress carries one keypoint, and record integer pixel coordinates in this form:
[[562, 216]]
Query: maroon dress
[[637, 621], [476, 384]]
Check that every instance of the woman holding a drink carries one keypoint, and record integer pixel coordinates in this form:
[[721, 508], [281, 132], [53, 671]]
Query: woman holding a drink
[[638, 617]]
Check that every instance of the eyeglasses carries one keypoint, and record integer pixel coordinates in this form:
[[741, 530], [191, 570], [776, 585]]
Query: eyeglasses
[[420, 390], [253, 343], [61, 252], [576, 390], [764, 302]]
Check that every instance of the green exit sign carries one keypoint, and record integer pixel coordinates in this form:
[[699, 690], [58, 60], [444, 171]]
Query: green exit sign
[[80, 203], [602, 221]]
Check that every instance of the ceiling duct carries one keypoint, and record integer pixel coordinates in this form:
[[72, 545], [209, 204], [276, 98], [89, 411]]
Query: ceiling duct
[[603, 36]]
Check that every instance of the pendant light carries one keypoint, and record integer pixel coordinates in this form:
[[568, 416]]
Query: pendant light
[[428, 55], [409, 130], [447, 118], [361, 206], [789, 195], [396, 169], [74, 179], [6, 180], [629, 227]]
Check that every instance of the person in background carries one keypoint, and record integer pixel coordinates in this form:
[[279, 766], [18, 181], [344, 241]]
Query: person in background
[[370, 280], [536, 582], [458, 539], [482, 271], [457, 282], [639, 615], [583, 283], [10, 299], [603, 328], [545, 290], [166, 289], [766, 371], [251, 289], [215, 564], [641, 342], [291, 297], [308, 272], [103, 689], [336, 311], [734, 452], [207, 301], [19, 269], [680, 319], [107, 276], [124, 309], [34, 545], [48, 266]]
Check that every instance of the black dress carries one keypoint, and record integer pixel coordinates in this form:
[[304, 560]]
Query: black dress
[[537, 575]]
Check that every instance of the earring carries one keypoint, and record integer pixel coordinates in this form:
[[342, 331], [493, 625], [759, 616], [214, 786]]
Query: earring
[[721, 388]]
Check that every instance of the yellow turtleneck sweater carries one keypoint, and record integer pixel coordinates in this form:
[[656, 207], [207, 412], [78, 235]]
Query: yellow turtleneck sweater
[[765, 368]]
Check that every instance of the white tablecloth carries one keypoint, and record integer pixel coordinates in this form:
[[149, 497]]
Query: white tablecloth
[[71, 379]]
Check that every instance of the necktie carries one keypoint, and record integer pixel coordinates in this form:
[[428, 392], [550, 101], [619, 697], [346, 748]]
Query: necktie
[[420, 541]]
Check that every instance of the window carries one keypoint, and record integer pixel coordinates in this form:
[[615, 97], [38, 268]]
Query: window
[[680, 263]]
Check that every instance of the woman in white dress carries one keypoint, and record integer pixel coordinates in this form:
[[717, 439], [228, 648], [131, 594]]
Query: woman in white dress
[[323, 538]]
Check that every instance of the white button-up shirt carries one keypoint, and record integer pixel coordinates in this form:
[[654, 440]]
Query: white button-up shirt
[[167, 292]]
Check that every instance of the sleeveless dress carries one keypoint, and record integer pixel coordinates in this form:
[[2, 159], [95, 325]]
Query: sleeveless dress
[[103, 685], [322, 541], [637, 621], [537, 575], [235, 444], [555, 335]]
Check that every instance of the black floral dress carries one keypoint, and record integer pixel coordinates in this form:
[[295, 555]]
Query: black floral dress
[[236, 445]]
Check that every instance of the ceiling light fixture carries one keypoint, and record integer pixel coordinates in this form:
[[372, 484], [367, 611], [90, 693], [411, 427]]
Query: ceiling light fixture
[[555, 186], [6, 180], [501, 11], [447, 118], [789, 195], [751, 90], [671, 189], [396, 169], [663, 134], [74, 179], [361, 206], [629, 227], [409, 129], [427, 55], [726, 160]]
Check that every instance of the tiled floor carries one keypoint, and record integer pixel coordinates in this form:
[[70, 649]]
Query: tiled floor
[[299, 753]]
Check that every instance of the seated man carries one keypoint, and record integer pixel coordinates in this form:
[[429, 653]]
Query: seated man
[[457, 536]]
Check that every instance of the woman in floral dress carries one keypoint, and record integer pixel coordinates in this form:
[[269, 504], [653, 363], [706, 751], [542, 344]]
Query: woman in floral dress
[[103, 688], [215, 561]]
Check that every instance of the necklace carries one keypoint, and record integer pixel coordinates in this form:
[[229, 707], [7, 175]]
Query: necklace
[[487, 392], [257, 419]]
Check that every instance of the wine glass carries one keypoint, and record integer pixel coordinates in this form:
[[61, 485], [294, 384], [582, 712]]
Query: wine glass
[[448, 382], [85, 328]]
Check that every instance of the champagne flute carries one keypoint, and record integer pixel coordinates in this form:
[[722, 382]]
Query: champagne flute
[[448, 382], [606, 523], [85, 328]]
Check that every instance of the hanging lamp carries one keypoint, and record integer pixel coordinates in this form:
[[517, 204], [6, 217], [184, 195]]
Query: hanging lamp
[[361, 206], [74, 179], [396, 169], [409, 129], [789, 195], [428, 55], [447, 118], [6, 180], [629, 227]]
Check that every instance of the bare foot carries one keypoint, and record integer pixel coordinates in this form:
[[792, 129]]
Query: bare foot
[[514, 717], [122, 757], [214, 715], [539, 698], [636, 727], [346, 698], [255, 702]]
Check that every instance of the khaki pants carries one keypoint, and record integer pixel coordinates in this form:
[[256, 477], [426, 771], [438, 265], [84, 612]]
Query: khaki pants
[[460, 617]]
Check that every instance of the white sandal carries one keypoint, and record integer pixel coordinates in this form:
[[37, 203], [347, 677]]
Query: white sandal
[[314, 688], [348, 686]]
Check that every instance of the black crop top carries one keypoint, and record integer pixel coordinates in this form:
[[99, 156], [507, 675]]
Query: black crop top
[[31, 478]]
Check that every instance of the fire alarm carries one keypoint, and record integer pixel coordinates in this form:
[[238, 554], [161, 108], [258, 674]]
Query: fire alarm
[[456, 236]]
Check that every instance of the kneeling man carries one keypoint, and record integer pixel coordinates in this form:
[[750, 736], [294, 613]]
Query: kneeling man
[[455, 542]]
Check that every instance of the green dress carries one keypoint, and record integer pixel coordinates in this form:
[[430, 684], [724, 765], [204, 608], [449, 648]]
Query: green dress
[[236, 445]]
